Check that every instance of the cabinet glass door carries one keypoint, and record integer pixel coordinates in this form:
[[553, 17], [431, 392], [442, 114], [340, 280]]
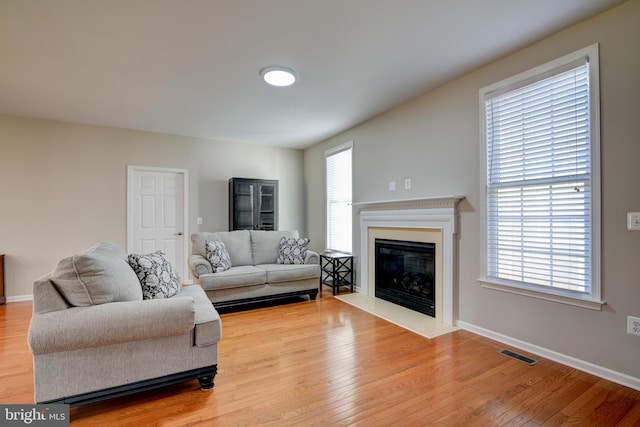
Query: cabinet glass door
[[266, 211], [244, 206]]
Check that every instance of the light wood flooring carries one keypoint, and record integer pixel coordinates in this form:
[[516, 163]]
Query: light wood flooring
[[327, 363]]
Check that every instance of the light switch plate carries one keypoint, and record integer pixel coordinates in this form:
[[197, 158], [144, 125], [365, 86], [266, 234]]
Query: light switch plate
[[633, 221]]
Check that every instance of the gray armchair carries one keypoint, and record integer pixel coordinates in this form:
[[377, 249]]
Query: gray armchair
[[94, 337]]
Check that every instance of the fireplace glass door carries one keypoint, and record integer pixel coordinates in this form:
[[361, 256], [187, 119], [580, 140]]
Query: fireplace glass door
[[405, 274]]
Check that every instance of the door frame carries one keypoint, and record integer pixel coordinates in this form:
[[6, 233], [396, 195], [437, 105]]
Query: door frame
[[186, 277]]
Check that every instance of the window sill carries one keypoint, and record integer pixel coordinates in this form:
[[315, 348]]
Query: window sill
[[534, 293]]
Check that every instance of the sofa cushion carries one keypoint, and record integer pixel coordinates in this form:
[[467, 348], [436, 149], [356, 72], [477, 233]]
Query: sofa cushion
[[278, 273], [98, 275], [156, 275], [266, 244], [238, 244], [292, 250], [217, 255], [235, 277]]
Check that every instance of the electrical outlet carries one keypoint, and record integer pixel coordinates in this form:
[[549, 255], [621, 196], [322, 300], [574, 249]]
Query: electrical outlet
[[392, 186], [633, 325], [633, 221], [407, 183], [199, 220]]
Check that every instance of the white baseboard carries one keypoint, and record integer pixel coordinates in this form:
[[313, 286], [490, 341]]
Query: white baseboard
[[18, 298], [588, 367]]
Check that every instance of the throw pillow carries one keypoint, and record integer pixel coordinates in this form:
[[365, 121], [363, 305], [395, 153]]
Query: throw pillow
[[97, 275], [156, 275], [293, 250], [217, 255]]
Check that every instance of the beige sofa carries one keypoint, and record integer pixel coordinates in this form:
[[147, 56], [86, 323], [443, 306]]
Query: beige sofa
[[93, 336], [255, 273]]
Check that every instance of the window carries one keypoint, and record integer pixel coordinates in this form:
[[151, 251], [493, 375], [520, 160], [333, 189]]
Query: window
[[542, 193], [339, 216]]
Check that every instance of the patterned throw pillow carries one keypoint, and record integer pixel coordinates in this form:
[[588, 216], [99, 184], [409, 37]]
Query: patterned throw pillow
[[293, 250], [156, 275], [217, 255]]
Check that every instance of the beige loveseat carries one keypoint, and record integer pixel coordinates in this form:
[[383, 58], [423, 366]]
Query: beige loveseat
[[258, 271], [94, 337]]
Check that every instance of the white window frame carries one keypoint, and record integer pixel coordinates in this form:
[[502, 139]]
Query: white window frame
[[590, 300], [328, 153]]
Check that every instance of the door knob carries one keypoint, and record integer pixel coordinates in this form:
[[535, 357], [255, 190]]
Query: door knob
[[179, 233]]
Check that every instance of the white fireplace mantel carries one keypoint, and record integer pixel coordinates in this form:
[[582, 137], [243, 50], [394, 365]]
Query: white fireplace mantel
[[416, 203], [436, 213]]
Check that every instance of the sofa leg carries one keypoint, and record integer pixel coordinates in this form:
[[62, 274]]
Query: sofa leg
[[206, 381], [313, 294]]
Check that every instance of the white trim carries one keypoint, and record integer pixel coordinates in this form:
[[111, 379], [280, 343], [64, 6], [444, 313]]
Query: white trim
[[338, 148], [543, 294], [594, 300], [18, 298], [582, 365], [596, 204], [185, 273], [414, 203]]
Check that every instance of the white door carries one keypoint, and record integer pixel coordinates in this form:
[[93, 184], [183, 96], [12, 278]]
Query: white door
[[157, 214]]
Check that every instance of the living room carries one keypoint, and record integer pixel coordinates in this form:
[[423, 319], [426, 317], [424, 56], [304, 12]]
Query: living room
[[66, 189]]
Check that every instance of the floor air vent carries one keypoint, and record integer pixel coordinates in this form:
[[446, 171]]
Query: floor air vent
[[519, 357]]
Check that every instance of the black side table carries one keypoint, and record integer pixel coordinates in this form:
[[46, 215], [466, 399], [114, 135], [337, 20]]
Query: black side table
[[336, 271]]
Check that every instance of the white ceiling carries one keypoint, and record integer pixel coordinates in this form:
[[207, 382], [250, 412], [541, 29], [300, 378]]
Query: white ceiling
[[191, 67]]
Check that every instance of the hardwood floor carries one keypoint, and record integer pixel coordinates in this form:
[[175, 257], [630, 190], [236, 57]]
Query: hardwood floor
[[326, 363]]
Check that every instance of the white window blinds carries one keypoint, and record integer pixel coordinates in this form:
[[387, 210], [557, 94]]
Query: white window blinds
[[339, 216], [538, 182]]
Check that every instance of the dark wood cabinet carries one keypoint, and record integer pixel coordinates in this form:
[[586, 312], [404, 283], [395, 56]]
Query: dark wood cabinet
[[253, 204]]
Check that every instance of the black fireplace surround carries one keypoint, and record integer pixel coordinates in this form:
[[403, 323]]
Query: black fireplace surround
[[405, 274]]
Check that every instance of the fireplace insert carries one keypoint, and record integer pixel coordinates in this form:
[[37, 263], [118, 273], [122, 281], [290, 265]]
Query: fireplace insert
[[405, 274]]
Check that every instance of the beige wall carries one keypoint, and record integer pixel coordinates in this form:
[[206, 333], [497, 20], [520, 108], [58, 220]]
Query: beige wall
[[434, 140], [64, 187]]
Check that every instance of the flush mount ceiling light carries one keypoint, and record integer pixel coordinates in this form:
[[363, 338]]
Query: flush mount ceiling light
[[278, 76]]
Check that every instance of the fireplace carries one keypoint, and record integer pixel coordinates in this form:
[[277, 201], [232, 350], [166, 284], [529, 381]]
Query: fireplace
[[429, 219], [405, 274]]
